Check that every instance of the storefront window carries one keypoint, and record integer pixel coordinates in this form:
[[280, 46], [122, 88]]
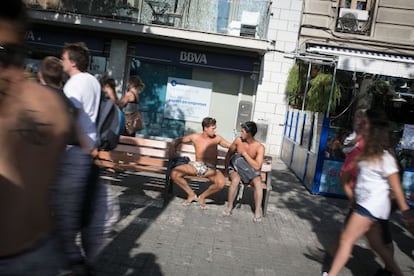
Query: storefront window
[[152, 99], [203, 91]]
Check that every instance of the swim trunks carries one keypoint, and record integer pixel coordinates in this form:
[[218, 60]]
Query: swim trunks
[[201, 168]]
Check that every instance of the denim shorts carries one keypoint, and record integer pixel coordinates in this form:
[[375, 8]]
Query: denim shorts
[[365, 213], [384, 223]]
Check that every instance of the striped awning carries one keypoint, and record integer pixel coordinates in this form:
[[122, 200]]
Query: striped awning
[[369, 61]]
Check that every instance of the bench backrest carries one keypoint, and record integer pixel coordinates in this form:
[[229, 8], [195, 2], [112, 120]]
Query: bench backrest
[[141, 154], [136, 154]]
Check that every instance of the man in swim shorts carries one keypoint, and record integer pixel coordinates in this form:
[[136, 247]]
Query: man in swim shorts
[[205, 144]]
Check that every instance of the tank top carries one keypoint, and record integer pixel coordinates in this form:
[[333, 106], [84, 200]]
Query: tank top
[[131, 107]]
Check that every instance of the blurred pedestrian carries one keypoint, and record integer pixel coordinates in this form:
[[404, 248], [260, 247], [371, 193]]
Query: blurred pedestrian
[[109, 88], [78, 177], [348, 176], [33, 137], [378, 174], [130, 105], [51, 74]]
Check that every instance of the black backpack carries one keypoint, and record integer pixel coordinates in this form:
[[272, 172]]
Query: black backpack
[[109, 124]]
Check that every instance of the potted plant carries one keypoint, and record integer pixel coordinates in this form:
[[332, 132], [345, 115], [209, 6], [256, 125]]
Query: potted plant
[[317, 98], [293, 87]]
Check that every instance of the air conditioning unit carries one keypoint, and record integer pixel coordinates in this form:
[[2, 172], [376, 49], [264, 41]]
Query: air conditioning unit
[[360, 15], [352, 20], [249, 22]]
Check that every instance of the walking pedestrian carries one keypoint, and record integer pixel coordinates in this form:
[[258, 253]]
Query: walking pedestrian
[[78, 176], [378, 174], [33, 136]]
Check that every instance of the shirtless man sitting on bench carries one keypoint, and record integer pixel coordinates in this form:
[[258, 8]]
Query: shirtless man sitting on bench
[[205, 145]]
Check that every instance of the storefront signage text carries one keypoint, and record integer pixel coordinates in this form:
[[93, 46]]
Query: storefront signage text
[[192, 57]]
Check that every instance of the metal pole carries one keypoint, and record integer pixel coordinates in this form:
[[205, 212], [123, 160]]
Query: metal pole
[[331, 92], [307, 85]]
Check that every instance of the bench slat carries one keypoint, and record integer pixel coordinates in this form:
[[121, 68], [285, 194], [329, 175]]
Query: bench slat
[[137, 141], [142, 151]]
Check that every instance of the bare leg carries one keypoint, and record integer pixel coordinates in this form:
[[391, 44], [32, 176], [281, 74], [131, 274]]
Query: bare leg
[[235, 180], [218, 181], [258, 197], [177, 175], [374, 236], [356, 227]]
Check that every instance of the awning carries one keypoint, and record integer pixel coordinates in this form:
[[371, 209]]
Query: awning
[[369, 61]]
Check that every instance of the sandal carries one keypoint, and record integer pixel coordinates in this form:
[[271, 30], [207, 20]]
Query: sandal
[[257, 219]]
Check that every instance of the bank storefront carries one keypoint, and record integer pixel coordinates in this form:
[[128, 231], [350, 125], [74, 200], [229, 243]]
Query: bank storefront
[[183, 82]]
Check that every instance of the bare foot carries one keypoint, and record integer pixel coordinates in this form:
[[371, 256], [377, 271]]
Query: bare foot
[[190, 199], [227, 211], [202, 202]]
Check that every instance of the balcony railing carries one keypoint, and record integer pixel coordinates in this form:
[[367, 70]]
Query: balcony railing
[[233, 17]]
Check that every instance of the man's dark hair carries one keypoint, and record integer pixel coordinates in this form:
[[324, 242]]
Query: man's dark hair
[[108, 81], [79, 54], [250, 127], [52, 71], [15, 11], [207, 122]]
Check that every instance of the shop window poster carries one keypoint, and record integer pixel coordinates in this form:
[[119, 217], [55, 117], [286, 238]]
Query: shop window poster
[[187, 99], [408, 186], [330, 178], [407, 140]]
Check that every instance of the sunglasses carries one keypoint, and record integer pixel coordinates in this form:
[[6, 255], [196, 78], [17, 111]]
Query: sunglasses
[[12, 55], [246, 127]]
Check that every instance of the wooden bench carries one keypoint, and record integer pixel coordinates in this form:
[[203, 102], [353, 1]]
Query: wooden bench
[[148, 155]]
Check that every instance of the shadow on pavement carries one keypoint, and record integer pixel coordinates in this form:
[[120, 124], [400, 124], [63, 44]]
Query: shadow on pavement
[[141, 203], [326, 216]]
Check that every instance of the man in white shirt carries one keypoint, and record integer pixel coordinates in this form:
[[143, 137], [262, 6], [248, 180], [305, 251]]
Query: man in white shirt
[[79, 175]]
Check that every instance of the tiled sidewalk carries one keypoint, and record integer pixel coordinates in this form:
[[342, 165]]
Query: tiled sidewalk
[[292, 240]]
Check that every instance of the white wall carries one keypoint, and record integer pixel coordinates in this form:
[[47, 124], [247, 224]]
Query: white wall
[[271, 105]]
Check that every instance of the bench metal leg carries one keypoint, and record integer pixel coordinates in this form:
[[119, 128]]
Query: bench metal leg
[[168, 190]]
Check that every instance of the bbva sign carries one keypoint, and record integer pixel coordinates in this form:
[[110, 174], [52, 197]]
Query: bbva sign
[[193, 57]]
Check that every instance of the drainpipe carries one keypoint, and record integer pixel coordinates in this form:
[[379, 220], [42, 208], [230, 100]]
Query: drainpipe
[[331, 92], [307, 85]]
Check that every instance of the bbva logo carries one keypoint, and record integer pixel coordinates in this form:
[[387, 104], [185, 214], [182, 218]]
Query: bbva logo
[[193, 57]]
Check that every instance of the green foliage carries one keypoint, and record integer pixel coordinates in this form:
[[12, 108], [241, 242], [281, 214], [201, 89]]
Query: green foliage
[[293, 90], [317, 98]]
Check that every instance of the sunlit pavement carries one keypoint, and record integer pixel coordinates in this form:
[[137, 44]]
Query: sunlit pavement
[[295, 237]]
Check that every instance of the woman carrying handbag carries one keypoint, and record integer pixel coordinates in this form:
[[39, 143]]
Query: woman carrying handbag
[[130, 105]]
